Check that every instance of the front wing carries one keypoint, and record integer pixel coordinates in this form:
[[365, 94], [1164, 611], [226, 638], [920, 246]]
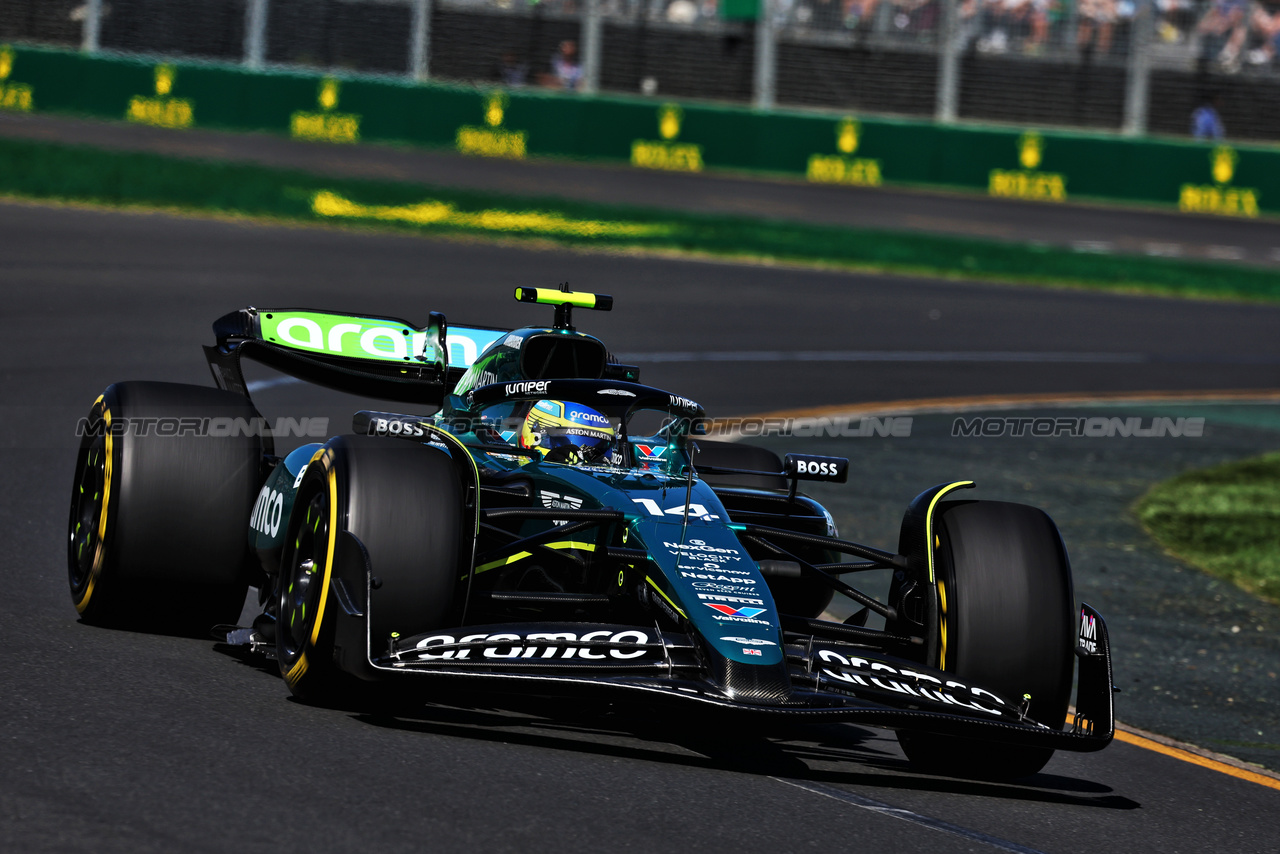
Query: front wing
[[830, 680]]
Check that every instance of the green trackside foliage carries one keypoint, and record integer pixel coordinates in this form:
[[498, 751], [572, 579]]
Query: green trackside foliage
[[66, 173], [1224, 520]]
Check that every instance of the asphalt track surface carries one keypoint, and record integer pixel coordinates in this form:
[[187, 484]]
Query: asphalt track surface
[[117, 741], [1087, 228]]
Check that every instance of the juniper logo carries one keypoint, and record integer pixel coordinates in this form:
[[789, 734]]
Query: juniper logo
[[1096, 427]]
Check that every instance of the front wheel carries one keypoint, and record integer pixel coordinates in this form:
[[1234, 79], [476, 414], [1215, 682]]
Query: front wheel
[[403, 502], [1006, 623]]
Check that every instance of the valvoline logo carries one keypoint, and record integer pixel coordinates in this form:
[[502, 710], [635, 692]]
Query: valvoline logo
[[651, 452], [730, 611]]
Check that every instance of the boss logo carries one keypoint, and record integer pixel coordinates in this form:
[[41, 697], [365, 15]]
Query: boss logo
[[392, 427], [835, 469]]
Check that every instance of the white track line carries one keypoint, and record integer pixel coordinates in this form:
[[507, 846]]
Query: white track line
[[863, 802]]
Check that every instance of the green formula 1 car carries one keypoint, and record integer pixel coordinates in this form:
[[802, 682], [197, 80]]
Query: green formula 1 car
[[555, 526]]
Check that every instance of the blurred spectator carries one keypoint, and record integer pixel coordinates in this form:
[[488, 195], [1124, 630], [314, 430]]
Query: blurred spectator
[[1097, 20], [682, 12], [915, 16], [827, 14], [1223, 30], [859, 14], [511, 71], [566, 71], [1205, 121], [1265, 27], [1012, 24], [1176, 19]]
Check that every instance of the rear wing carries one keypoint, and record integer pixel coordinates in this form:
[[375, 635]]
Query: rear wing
[[380, 357]]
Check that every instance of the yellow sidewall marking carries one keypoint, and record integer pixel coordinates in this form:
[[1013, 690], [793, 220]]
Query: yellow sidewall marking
[[928, 520], [299, 668], [100, 551]]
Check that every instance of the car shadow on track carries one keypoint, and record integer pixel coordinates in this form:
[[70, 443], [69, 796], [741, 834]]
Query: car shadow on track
[[795, 752]]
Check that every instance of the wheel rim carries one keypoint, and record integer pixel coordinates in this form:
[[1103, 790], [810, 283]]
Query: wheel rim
[[88, 507], [303, 580]]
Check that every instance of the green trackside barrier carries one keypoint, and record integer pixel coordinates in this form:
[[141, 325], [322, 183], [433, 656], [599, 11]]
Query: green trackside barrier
[[1025, 164]]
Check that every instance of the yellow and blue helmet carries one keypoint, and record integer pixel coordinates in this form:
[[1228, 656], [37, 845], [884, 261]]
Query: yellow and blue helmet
[[566, 432]]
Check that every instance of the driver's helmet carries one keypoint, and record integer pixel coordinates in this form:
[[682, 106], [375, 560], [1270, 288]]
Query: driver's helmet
[[566, 432]]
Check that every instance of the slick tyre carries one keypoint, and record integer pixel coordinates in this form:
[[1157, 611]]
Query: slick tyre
[[159, 507], [1007, 623], [403, 502]]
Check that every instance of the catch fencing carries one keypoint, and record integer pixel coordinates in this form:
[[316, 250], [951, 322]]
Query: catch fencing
[[1133, 66]]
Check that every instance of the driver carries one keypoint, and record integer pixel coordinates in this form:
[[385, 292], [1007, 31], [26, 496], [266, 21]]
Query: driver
[[567, 432]]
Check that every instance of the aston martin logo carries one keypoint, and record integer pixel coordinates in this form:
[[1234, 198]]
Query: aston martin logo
[[556, 501]]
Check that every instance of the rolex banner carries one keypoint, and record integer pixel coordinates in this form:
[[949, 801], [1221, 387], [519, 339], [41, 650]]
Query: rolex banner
[[1030, 164]]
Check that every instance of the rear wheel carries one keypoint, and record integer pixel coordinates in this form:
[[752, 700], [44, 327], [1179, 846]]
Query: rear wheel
[[1007, 623], [403, 502], [165, 481]]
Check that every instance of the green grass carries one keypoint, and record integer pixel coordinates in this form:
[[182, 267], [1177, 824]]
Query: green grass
[[53, 172], [1224, 520]]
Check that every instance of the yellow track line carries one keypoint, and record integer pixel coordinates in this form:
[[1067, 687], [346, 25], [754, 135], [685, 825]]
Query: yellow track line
[[1185, 755], [1124, 733]]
